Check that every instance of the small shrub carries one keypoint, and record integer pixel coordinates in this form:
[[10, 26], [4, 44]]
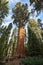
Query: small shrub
[[32, 61]]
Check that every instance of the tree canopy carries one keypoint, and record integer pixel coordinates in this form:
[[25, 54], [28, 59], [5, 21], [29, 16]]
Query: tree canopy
[[20, 13]]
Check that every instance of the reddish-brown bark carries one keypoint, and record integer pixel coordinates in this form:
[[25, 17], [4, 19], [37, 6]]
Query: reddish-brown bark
[[20, 42]]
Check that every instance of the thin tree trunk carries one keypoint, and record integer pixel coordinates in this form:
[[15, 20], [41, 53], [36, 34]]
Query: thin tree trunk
[[20, 42]]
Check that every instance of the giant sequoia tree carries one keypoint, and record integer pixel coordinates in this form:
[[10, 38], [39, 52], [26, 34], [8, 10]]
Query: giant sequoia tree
[[20, 16]]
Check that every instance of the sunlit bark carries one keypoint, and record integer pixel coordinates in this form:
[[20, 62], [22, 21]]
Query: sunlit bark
[[20, 42]]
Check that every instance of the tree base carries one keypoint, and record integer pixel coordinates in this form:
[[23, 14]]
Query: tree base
[[16, 55]]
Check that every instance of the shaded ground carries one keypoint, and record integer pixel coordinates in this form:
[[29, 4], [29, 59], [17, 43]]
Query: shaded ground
[[14, 62]]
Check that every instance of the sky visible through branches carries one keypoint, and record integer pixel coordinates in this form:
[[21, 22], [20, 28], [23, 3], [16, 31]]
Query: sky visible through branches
[[11, 5]]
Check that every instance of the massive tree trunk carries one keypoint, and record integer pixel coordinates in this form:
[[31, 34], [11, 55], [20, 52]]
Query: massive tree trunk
[[20, 42]]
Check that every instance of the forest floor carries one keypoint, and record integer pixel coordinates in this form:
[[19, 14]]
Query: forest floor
[[14, 62]]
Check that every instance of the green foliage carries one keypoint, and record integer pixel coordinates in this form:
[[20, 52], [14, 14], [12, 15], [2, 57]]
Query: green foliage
[[4, 40], [42, 34], [32, 61], [34, 47], [12, 43], [34, 38], [20, 14], [3, 9], [11, 47], [38, 4], [3, 13]]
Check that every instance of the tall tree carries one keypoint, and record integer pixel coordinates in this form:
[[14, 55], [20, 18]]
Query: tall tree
[[3, 13], [4, 41], [34, 38], [12, 44], [20, 16]]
